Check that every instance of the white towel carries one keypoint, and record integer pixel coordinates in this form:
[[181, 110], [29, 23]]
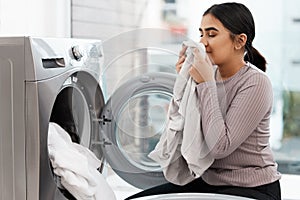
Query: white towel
[[182, 151], [77, 167]]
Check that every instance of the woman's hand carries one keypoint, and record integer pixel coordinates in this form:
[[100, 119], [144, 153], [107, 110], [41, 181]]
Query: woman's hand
[[181, 58], [202, 68]]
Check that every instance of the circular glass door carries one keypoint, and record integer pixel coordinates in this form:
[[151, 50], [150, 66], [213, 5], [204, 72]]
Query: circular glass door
[[132, 122]]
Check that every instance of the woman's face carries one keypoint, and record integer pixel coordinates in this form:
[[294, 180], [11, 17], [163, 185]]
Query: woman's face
[[217, 40]]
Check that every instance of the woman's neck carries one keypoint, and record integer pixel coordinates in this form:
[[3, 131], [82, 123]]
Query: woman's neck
[[227, 70]]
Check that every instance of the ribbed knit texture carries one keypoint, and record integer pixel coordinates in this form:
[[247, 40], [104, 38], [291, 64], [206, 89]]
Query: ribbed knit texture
[[235, 122]]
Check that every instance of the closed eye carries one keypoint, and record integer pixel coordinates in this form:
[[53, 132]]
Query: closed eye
[[210, 31]]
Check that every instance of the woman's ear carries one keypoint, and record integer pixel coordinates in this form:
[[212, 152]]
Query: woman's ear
[[240, 41]]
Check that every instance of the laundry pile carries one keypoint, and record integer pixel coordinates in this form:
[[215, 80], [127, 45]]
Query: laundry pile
[[76, 166], [182, 151]]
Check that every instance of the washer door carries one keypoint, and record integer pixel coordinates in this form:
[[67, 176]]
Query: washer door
[[76, 108], [132, 122]]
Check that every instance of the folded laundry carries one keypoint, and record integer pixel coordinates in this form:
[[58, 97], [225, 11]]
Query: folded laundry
[[76, 166], [182, 151]]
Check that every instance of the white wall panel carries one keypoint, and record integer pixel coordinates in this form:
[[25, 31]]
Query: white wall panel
[[35, 18], [102, 16], [101, 19]]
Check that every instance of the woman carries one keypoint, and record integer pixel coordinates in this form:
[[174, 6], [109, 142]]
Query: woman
[[235, 123]]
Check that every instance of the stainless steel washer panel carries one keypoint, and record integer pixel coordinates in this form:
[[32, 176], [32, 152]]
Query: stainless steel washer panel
[[12, 124], [76, 53]]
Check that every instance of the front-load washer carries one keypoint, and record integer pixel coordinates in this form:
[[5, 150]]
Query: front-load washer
[[44, 80], [57, 80]]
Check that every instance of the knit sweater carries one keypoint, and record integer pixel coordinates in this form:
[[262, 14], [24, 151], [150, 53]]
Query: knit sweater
[[235, 122]]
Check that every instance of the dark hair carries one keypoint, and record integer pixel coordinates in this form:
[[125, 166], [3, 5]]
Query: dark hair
[[238, 19]]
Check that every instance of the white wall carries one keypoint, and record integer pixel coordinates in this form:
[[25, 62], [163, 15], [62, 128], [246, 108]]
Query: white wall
[[103, 19], [50, 18]]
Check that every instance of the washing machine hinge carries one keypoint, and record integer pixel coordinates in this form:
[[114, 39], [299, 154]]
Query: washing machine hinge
[[106, 142], [103, 120]]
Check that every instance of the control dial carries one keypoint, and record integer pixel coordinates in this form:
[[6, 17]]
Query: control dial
[[77, 53]]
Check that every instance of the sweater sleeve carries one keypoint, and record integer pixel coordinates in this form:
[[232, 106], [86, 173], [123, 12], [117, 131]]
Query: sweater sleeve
[[251, 103]]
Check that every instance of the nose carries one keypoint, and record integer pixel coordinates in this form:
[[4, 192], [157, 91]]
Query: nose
[[203, 41]]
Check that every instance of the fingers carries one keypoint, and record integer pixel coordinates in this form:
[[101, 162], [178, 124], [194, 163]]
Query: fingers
[[207, 59], [195, 75], [203, 65], [180, 63], [181, 59], [198, 56], [183, 50]]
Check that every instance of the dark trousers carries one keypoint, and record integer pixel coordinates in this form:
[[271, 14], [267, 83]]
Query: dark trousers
[[269, 191]]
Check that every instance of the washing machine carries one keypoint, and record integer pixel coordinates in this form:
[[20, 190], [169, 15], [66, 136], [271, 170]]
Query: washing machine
[[58, 80], [62, 80]]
